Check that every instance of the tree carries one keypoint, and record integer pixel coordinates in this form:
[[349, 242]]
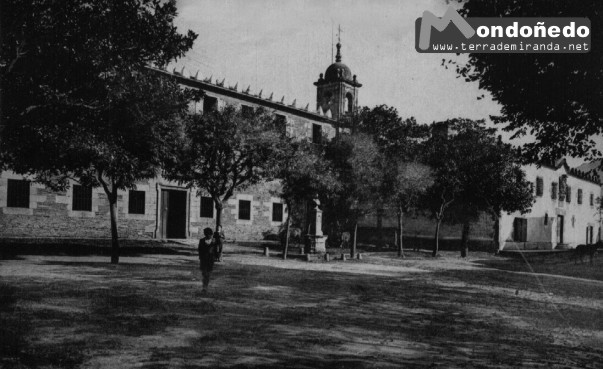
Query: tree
[[554, 97], [411, 182], [304, 174], [474, 173], [224, 151], [357, 162], [399, 143], [78, 99]]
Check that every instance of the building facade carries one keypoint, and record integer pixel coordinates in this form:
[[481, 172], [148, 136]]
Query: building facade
[[565, 212], [164, 210]]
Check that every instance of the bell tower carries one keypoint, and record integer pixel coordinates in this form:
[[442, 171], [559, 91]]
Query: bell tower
[[337, 89]]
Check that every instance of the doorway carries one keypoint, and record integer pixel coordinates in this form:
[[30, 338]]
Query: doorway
[[559, 229], [173, 214]]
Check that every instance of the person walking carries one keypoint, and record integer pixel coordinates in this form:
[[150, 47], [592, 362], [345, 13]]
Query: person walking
[[207, 253]]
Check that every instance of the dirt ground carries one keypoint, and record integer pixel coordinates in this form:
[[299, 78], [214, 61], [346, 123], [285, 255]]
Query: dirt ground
[[59, 311]]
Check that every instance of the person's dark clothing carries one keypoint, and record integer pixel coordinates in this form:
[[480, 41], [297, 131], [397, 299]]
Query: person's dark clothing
[[207, 253]]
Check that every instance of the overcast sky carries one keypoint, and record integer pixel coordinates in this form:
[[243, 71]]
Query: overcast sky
[[282, 46]]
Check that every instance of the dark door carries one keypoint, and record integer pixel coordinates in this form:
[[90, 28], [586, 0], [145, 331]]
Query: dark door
[[173, 213], [559, 229]]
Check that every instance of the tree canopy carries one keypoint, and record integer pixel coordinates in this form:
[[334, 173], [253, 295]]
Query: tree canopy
[[226, 150], [473, 172], [78, 99], [553, 97]]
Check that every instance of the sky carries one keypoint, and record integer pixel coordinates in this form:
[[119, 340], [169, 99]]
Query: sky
[[281, 47]]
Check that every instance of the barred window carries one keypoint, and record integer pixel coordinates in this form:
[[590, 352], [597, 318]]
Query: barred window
[[207, 207], [136, 202], [18, 193], [554, 190], [277, 212], [579, 196], [82, 198], [539, 186], [244, 210]]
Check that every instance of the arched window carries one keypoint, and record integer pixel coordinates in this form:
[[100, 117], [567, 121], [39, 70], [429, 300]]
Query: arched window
[[349, 103]]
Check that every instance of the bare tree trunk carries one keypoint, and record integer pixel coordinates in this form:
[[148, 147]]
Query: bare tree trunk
[[465, 238], [400, 233], [287, 233], [112, 195], [353, 248], [436, 241], [497, 232], [219, 207]]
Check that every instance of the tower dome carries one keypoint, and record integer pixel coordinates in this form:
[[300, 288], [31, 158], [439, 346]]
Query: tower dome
[[338, 71]]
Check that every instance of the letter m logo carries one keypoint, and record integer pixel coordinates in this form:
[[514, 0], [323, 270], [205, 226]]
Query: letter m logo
[[451, 16]]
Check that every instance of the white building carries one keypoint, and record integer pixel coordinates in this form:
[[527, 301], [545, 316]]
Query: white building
[[564, 215]]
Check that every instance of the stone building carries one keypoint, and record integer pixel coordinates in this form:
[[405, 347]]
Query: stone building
[[564, 215], [162, 209]]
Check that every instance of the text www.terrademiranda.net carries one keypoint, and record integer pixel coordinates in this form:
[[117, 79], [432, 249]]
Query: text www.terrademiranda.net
[[504, 46]]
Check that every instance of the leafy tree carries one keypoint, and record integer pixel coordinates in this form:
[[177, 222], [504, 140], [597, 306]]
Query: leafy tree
[[357, 162], [404, 178], [474, 173], [78, 99], [304, 175], [411, 182], [224, 151], [554, 97]]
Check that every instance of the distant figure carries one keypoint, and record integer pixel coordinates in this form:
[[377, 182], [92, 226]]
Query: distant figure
[[219, 236], [207, 253]]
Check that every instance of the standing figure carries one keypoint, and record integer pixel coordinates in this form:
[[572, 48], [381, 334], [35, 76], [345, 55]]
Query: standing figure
[[207, 253]]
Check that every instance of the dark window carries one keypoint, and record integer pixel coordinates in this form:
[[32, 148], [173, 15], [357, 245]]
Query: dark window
[[244, 210], [207, 207], [18, 193], [568, 194], [520, 230], [277, 212], [579, 199], [136, 202], [247, 111], [210, 104], [280, 122], [82, 198], [592, 199], [554, 190], [539, 186], [316, 133]]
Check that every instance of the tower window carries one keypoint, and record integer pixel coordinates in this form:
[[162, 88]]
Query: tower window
[[579, 196], [349, 103]]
